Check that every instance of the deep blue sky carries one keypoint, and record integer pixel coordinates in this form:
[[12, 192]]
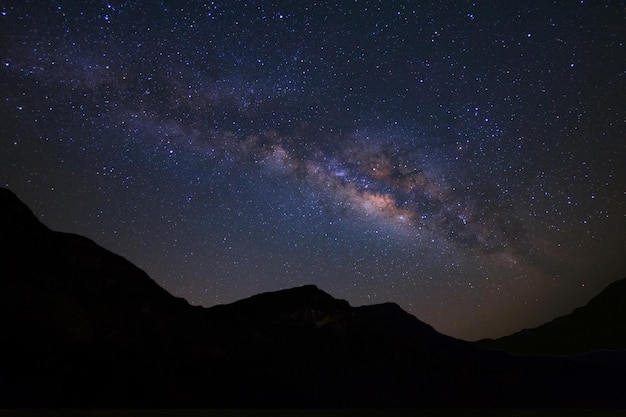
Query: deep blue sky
[[463, 159]]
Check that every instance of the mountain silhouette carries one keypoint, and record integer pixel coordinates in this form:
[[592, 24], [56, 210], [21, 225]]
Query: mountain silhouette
[[600, 325], [83, 327]]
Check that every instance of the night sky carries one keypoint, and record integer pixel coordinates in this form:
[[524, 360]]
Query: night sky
[[464, 159]]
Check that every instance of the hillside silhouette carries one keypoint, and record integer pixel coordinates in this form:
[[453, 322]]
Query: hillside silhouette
[[83, 327], [599, 325]]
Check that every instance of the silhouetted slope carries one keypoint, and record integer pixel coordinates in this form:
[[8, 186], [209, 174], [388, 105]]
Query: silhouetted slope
[[600, 325], [15, 216], [82, 327], [71, 311]]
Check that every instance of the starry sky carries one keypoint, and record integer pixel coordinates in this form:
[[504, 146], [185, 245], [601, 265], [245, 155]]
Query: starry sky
[[464, 159]]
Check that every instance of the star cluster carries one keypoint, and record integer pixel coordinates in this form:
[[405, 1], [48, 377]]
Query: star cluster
[[463, 159]]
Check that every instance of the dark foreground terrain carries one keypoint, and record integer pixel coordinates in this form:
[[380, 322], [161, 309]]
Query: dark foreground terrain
[[83, 327]]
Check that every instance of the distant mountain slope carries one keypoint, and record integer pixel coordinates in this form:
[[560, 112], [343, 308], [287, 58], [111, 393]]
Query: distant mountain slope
[[74, 280], [600, 325], [71, 311], [83, 327]]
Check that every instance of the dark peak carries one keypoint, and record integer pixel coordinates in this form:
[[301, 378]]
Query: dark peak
[[307, 287], [304, 296], [595, 326], [614, 292], [309, 306], [387, 308], [292, 306], [305, 292], [15, 216], [309, 291]]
